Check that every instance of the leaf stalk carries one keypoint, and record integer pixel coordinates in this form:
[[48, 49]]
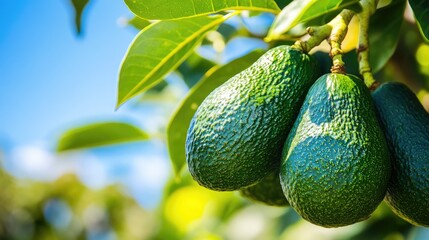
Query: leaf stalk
[[339, 31], [368, 8], [334, 31]]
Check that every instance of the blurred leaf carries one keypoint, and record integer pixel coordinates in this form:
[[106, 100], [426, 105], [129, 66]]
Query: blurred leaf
[[79, 6], [166, 9], [50, 210], [99, 134], [301, 11], [156, 93], [158, 49], [179, 122], [421, 12], [138, 23], [227, 31], [283, 3], [194, 68], [383, 224], [384, 34], [159, 87], [325, 18]]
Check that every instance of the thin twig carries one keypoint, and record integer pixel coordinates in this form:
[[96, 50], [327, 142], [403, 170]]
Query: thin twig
[[339, 30], [335, 30]]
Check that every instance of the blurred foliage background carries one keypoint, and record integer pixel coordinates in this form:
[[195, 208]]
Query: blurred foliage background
[[65, 208]]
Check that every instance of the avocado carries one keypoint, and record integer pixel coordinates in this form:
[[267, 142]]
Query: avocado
[[268, 191], [335, 164], [406, 127], [236, 135]]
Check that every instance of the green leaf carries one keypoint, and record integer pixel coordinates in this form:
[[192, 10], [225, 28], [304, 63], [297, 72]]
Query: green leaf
[[79, 6], [421, 13], [166, 9], [158, 49], [383, 34], [301, 11], [179, 122], [138, 23], [99, 134], [329, 16]]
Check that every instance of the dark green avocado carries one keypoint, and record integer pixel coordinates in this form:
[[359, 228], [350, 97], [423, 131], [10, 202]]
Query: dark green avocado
[[236, 135], [335, 165], [406, 126], [267, 191]]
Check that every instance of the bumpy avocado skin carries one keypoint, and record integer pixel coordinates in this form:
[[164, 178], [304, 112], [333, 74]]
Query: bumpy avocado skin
[[267, 191], [236, 135], [335, 164], [406, 127]]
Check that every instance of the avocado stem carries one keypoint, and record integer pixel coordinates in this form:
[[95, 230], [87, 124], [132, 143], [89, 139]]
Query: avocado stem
[[335, 30], [339, 29], [318, 34], [368, 8]]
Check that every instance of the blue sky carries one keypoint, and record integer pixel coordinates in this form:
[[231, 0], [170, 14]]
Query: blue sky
[[50, 77], [51, 80]]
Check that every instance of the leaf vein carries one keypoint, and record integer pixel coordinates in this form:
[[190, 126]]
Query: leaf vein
[[213, 7], [188, 40], [193, 5]]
